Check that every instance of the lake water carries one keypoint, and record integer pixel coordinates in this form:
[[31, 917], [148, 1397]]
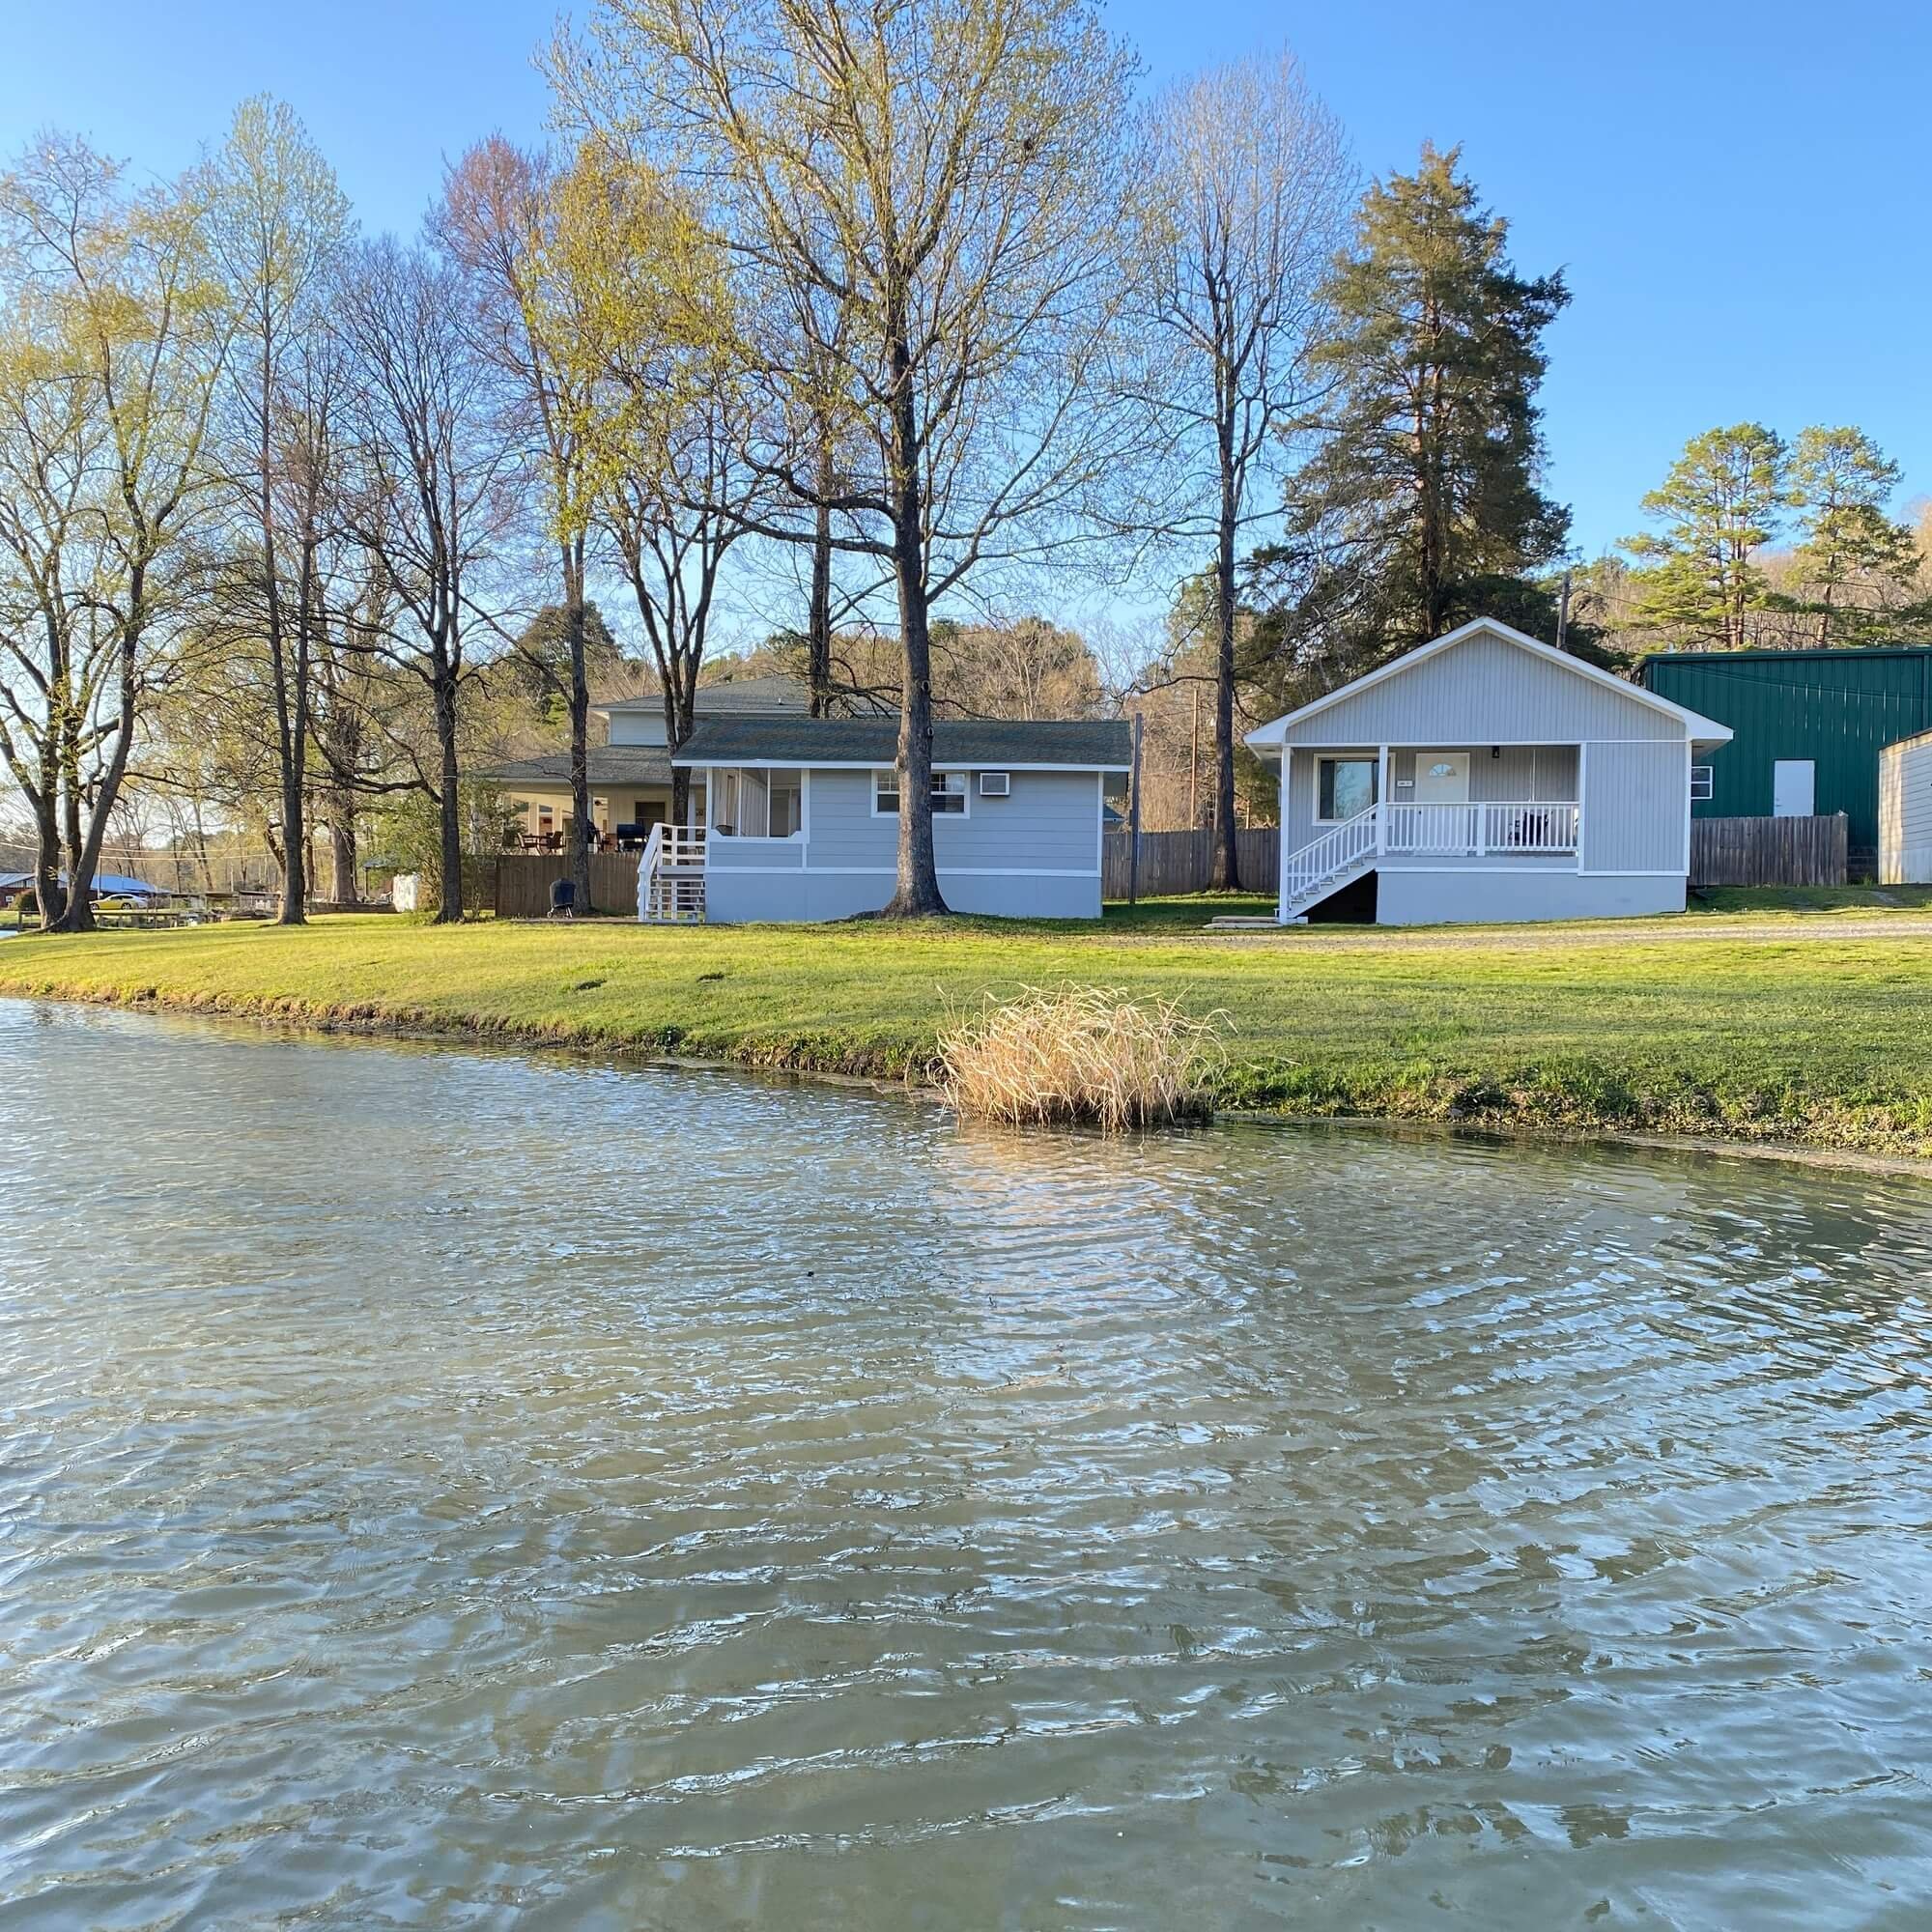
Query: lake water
[[445, 1488]]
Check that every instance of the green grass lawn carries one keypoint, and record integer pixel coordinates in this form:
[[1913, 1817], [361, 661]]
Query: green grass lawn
[[1821, 1039]]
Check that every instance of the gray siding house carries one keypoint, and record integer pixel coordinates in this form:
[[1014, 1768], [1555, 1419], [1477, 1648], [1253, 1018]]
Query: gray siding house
[[1484, 777], [803, 819]]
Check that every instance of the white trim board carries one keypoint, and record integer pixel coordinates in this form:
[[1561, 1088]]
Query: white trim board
[[892, 872], [1696, 725], [874, 765]]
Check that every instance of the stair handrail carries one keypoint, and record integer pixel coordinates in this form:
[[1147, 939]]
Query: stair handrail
[[647, 871], [1338, 848]]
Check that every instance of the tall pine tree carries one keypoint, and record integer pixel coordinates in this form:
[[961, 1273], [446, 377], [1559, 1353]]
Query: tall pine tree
[[1420, 507], [1718, 507]]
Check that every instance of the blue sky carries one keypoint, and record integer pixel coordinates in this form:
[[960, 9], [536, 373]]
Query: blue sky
[[1736, 194]]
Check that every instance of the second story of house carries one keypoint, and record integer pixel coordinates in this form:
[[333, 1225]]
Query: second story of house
[[640, 721]]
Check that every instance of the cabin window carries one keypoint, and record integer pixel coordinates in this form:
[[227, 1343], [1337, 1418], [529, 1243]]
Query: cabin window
[[1700, 783], [757, 802], [788, 804], [1346, 786], [948, 794]]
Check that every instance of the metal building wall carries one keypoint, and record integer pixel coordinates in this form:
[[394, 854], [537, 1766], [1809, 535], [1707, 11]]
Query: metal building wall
[[1837, 708]]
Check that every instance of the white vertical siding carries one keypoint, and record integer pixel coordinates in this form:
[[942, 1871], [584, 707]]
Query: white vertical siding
[[1542, 773], [1636, 806], [1905, 813], [1486, 690]]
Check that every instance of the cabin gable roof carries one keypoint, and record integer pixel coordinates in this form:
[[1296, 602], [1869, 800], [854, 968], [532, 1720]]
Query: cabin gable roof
[[1486, 682]]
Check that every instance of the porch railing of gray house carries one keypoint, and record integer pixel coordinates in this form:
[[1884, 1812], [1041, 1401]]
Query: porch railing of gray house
[[1769, 851]]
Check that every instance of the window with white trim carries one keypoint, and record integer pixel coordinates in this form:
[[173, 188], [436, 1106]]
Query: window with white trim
[[1700, 785], [1344, 787], [948, 794]]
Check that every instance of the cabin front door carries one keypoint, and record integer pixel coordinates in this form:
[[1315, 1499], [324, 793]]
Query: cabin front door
[[1442, 778]]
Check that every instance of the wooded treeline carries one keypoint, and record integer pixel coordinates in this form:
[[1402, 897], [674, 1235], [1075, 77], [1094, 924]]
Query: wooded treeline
[[873, 343]]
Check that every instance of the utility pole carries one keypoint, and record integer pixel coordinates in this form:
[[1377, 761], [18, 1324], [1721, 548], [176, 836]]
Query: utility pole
[[1194, 765], [1134, 820], [1563, 615]]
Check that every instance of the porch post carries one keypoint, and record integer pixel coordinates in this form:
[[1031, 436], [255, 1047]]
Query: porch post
[[1281, 845], [1381, 801]]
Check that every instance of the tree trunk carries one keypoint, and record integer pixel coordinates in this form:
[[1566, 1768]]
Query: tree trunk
[[293, 909], [1224, 873], [818, 619], [78, 915], [580, 724], [344, 889], [46, 854], [917, 891], [449, 899]]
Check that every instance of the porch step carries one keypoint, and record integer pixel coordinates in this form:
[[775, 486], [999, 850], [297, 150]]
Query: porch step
[[1230, 921]]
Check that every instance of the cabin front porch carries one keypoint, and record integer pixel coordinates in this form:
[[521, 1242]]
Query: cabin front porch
[[1353, 808]]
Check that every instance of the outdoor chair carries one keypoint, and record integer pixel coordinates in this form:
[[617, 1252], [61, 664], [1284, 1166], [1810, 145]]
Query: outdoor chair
[[562, 899]]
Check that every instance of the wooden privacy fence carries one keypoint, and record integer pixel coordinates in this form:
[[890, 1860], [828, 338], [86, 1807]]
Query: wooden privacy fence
[[1768, 851], [1173, 862], [524, 880]]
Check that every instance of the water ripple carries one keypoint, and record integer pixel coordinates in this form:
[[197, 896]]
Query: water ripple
[[461, 1489]]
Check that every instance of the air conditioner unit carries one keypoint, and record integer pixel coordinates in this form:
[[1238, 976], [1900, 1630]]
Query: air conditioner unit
[[995, 784]]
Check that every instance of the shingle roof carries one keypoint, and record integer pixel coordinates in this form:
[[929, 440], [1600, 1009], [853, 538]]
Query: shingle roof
[[1085, 743], [770, 695], [609, 765]]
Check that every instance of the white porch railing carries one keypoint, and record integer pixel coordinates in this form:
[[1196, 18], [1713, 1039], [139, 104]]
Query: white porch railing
[[671, 875], [1518, 826]]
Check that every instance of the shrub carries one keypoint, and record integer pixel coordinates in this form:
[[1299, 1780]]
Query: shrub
[[1080, 1053]]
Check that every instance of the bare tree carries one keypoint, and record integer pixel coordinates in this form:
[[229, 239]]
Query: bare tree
[[277, 228], [498, 221], [119, 288], [944, 177], [51, 449], [430, 502], [1250, 195]]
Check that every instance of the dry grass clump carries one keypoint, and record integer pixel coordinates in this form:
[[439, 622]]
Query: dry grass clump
[[1085, 1054]]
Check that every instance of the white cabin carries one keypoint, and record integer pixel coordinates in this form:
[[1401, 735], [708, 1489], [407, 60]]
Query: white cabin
[[1484, 777]]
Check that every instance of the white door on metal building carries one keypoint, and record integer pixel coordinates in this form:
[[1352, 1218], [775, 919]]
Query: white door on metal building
[[1793, 789]]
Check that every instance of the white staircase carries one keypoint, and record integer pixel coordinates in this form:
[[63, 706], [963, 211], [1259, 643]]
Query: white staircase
[[1342, 854], [671, 876]]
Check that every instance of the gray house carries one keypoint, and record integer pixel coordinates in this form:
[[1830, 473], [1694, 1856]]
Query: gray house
[[802, 818], [1484, 777]]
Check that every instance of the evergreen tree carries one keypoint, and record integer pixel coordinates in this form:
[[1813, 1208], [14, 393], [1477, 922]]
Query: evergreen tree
[[1421, 507], [1852, 552], [1718, 507]]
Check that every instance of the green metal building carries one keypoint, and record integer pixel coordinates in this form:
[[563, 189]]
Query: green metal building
[[1809, 725]]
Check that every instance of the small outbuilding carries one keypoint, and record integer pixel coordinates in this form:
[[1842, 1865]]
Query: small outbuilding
[[1905, 812], [1484, 777]]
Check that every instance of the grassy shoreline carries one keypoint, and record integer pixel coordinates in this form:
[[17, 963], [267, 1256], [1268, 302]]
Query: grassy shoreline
[[1799, 1039]]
